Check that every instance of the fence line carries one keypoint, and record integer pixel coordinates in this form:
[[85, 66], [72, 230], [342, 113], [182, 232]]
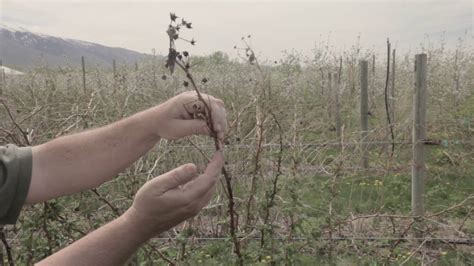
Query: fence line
[[428, 142], [468, 241]]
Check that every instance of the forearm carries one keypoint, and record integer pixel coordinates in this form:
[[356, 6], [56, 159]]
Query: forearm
[[85, 160], [112, 244]]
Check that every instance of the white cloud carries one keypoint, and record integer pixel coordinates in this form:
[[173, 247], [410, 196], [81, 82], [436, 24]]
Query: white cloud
[[218, 25]]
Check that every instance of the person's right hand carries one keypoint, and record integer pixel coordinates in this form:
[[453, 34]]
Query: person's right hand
[[173, 197], [181, 116]]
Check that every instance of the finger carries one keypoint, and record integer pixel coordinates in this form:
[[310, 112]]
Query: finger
[[208, 195], [219, 118], [185, 128], [204, 201], [177, 177], [215, 165], [201, 185]]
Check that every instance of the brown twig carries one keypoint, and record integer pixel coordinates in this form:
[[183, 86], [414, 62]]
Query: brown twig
[[231, 204], [177, 59], [103, 199], [7, 247], [271, 198], [413, 253], [23, 133], [389, 120]]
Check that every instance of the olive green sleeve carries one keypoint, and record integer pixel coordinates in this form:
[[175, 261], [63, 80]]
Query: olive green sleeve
[[15, 176]]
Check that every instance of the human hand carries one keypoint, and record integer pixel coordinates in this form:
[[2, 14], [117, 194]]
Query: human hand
[[182, 116], [173, 197]]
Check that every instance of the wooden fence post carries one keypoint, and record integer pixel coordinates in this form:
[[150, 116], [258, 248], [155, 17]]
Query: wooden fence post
[[329, 94], [393, 87], [419, 134], [373, 65], [83, 76], [364, 111], [337, 90], [2, 79]]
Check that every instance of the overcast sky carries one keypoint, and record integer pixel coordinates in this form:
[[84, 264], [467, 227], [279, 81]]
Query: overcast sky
[[274, 25]]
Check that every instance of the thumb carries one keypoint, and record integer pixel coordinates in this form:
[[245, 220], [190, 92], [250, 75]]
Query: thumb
[[190, 127], [177, 177]]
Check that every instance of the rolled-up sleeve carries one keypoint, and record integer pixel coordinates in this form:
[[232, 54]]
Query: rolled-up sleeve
[[15, 177]]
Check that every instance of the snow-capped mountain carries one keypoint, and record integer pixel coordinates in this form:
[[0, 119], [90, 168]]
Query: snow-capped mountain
[[9, 71], [22, 48]]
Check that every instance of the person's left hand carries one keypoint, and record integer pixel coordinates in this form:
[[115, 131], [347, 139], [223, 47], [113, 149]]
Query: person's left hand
[[173, 197]]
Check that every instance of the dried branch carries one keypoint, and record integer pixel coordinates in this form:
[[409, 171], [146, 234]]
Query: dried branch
[[23, 133], [175, 58], [389, 120], [271, 197], [7, 247]]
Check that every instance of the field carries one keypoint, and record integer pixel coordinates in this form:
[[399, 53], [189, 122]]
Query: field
[[293, 151]]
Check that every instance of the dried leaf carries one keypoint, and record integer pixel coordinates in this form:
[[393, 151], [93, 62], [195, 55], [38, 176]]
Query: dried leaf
[[173, 16], [171, 60]]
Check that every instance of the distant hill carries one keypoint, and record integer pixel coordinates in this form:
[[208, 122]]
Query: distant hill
[[23, 49]]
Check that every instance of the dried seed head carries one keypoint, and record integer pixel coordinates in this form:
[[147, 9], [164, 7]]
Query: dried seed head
[[185, 83], [173, 16], [204, 80], [252, 58], [185, 53], [163, 77]]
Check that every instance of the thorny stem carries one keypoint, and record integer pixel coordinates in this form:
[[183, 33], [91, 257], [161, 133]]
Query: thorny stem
[[389, 120], [331, 208], [256, 171], [103, 199], [7, 247], [231, 204], [274, 191], [270, 201], [260, 117]]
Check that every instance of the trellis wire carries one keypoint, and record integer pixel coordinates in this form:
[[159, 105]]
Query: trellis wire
[[322, 144], [469, 241]]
